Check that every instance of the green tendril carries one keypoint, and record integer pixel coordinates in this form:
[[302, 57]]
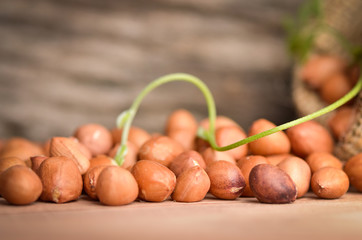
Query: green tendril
[[125, 119]]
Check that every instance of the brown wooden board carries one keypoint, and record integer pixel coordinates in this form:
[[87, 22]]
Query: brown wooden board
[[66, 63], [244, 218]]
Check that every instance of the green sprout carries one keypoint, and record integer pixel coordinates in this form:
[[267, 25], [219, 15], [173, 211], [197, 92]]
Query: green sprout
[[125, 119]]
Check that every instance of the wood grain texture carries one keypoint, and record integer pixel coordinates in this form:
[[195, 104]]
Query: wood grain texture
[[66, 63], [243, 218]]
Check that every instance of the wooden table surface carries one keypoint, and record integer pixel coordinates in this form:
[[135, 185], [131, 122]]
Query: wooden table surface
[[244, 218]]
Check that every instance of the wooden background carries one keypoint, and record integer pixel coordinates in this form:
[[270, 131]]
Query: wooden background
[[65, 63]]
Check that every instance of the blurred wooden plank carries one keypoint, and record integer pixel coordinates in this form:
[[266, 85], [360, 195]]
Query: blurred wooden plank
[[307, 218], [65, 63]]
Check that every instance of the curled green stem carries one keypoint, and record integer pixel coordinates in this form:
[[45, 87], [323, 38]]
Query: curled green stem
[[356, 89], [125, 119]]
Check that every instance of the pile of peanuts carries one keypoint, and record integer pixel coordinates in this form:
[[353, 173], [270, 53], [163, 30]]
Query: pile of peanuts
[[177, 165], [331, 77]]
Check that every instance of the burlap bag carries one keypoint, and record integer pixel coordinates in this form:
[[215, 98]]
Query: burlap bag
[[346, 17]]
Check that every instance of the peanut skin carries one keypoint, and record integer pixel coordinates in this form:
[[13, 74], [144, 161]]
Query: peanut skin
[[320, 160], [8, 162], [155, 181], [116, 186], [192, 185], [228, 135], [19, 185], [299, 171], [353, 169], [335, 87], [246, 164], [20, 148], [136, 135], [319, 68], [210, 156], [67, 147], [341, 121], [330, 183], [220, 121], [61, 179], [182, 126], [270, 184], [131, 156], [185, 161], [95, 137], [276, 143], [227, 181], [36, 161], [90, 179], [309, 137], [100, 160], [160, 149]]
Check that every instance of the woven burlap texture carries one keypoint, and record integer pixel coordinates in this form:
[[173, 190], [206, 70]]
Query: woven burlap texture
[[346, 17]]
